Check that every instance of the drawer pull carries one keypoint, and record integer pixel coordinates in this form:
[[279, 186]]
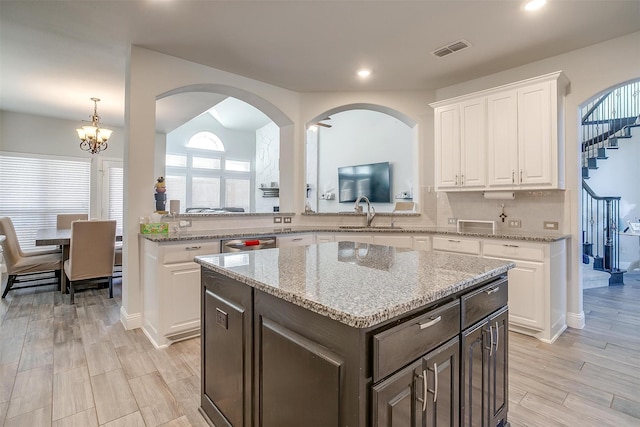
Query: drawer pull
[[192, 248], [454, 241], [511, 246], [492, 291], [491, 343], [431, 322], [297, 239], [435, 386], [424, 390]]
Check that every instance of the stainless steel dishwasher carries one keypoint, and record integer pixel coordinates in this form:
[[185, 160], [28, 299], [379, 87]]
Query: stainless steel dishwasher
[[247, 244]]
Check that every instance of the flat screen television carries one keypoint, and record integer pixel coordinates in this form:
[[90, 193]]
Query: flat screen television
[[371, 180]]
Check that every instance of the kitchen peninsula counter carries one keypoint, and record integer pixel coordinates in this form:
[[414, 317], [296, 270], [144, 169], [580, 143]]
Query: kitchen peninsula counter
[[338, 334], [186, 235]]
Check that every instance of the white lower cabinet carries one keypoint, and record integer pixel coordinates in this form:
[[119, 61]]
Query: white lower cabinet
[[537, 286], [353, 237], [422, 243], [295, 240], [456, 245], [324, 238], [171, 289], [395, 240]]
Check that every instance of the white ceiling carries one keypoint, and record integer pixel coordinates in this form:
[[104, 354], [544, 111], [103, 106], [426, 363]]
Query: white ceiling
[[55, 55]]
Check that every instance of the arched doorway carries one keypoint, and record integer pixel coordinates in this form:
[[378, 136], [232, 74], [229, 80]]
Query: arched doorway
[[609, 138]]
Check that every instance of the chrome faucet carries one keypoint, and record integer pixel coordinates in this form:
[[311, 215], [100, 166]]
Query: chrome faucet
[[371, 212]]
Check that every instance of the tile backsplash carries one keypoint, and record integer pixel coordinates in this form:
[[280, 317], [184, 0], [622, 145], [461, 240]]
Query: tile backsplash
[[532, 208]]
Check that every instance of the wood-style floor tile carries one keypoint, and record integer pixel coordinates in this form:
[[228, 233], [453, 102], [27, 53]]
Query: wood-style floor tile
[[67, 355], [101, 357], [8, 374], [40, 417], [132, 420], [135, 363], [155, 400], [36, 354], [86, 418], [32, 390], [183, 421], [71, 392], [112, 396]]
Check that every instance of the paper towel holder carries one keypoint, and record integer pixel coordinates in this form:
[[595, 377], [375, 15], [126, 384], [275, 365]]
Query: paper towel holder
[[499, 195]]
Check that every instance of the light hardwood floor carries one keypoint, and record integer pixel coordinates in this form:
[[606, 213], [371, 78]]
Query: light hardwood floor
[[63, 365]]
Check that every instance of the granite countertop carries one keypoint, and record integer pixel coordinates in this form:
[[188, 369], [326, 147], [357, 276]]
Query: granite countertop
[[358, 284], [267, 231]]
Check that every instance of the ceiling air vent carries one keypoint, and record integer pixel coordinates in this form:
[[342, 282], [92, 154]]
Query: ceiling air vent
[[451, 48]]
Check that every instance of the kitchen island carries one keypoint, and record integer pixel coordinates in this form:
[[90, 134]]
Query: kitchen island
[[349, 334]]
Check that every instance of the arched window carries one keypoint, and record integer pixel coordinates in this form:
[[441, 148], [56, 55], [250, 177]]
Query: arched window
[[206, 141]]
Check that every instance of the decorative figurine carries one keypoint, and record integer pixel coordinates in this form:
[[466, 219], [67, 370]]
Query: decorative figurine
[[161, 196]]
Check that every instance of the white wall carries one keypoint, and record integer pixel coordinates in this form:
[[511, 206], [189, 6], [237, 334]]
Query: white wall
[[412, 104], [151, 75], [267, 166], [590, 70], [359, 137], [27, 133]]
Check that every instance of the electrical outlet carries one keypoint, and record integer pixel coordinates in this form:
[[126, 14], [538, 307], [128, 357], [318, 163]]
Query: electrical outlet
[[185, 223], [287, 220], [277, 220], [452, 221], [222, 318], [550, 225], [515, 223]]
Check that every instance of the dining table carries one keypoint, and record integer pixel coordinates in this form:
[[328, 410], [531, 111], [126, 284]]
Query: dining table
[[61, 237]]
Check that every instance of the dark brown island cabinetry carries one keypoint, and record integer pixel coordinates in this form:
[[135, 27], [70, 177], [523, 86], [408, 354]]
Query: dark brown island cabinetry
[[270, 363]]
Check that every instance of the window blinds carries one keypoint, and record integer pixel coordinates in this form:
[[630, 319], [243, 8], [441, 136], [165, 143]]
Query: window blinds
[[34, 189]]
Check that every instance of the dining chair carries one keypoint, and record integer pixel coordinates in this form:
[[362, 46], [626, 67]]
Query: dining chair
[[63, 221], [91, 254], [27, 267]]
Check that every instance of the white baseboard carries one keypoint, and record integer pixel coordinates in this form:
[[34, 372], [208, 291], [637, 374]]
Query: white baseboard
[[130, 321], [576, 320]]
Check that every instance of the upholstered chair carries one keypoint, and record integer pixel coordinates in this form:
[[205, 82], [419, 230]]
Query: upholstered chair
[[64, 220], [27, 267], [91, 254]]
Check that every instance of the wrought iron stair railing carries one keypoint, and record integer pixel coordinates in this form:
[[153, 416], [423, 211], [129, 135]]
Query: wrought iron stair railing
[[607, 119], [600, 238]]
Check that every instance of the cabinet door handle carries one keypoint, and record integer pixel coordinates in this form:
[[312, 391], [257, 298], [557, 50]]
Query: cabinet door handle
[[431, 322], [492, 290], [462, 179], [456, 180], [435, 385], [513, 177], [491, 341], [497, 337], [520, 175], [192, 248], [424, 390]]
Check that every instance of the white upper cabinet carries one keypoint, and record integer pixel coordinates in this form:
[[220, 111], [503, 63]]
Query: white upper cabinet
[[461, 145], [502, 138]]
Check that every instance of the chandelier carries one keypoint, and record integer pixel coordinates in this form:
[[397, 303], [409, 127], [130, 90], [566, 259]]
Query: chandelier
[[93, 138]]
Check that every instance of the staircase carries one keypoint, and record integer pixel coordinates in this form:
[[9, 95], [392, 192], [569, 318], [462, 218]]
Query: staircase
[[605, 121]]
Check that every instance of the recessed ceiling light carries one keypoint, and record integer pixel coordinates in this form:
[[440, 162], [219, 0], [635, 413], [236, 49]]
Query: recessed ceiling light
[[364, 73], [534, 5]]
